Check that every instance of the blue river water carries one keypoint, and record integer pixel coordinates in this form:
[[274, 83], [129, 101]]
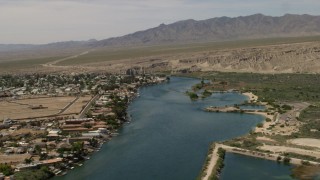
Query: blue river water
[[168, 137], [244, 167]]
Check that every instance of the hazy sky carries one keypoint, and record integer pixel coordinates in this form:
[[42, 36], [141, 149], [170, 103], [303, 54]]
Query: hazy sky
[[43, 21]]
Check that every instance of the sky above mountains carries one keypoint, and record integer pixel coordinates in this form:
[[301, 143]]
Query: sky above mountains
[[44, 21]]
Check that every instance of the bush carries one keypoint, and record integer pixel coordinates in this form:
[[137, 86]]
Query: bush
[[306, 163], [259, 125], [42, 173], [192, 95], [206, 94], [6, 169], [286, 160], [279, 159], [286, 107], [268, 120]]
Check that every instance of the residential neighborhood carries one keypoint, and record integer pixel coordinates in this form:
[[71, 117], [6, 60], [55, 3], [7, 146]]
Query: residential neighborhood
[[52, 123]]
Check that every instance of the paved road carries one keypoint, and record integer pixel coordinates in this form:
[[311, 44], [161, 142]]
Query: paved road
[[70, 104], [88, 106]]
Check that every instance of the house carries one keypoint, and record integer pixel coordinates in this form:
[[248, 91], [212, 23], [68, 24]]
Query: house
[[7, 121], [15, 127], [32, 165], [78, 139], [51, 161], [9, 151], [78, 121], [21, 150], [91, 134]]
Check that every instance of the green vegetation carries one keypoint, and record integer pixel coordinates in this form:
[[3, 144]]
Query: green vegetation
[[197, 87], [38, 174], [193, 96], [286, 160], [219, 165], [269, 87], [311, 123], [6, 169], [246, 142], [268, 120], [205, 166], [276, 90], [260, 125], [305, 163], [300, 156], [206, 94], [279, 158], [28, 160]]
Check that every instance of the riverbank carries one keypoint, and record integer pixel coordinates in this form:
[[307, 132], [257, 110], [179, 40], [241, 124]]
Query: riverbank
[[118, 102], [252, 97], [212, 164], [260, 141], [172, 136], [256, 154]]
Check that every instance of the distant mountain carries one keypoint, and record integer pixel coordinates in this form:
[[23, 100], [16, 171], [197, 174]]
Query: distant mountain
[[65, 44], [57, 49], [14, 47], [188, 31], [221, 29]]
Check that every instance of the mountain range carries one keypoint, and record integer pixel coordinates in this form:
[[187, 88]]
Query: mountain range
[[188, 31], [222, 29]]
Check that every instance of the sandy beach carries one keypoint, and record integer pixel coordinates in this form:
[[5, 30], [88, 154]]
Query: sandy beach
[[251, 96]]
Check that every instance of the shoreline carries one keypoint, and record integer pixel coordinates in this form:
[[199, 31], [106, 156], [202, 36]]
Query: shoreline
[[255, 154], [112, 134], [252, 97], [273, 156]]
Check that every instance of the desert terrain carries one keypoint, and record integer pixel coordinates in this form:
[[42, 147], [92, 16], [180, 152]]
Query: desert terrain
[[291, 55], [22, 108]]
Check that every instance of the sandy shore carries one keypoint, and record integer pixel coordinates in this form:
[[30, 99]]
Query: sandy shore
[[212, 163], [251, 96], [275, 150], [256, 154]]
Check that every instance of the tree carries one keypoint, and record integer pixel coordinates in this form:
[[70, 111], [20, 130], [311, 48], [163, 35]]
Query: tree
[[286, 160], [6, 169], [279, 159], [94, 142], [89, 114], [28, 160], [87, 125], [259, 125], [77, 147], [37, 148]]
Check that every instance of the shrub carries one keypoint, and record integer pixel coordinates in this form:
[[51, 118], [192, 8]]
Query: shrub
[[286, 160], [306, 163], [259, 125], [6, 169], [279, 159]]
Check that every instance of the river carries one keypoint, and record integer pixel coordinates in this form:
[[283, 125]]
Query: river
[[168, 137]]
